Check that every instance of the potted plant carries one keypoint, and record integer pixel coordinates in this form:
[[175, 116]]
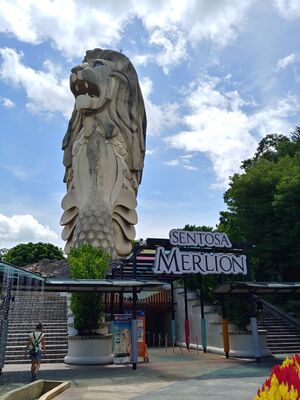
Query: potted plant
[[88, 346]]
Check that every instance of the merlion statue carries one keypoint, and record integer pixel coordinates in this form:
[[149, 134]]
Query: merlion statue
[[104, 150]]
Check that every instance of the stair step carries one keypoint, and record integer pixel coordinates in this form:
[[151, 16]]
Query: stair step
[[27, 332], [274, 335], [46, 323], [282, 329], [284, 348], [23, 341], [21, 348], [282, 335], [26, 310], [26, 328], [59, 325], [45, 360], [283, 340], [54, 356]]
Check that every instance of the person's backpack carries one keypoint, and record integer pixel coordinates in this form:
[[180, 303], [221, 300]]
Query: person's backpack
[[35, 343]]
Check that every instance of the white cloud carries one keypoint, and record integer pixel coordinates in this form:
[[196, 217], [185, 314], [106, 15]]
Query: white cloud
[[73, 26], [218, 126], [275, 119], [183, 161], [190, 167], [173, 48], [24, 229], [22, 173], [172, 163], [197, 20], [7, 103], [159, 117], [286, 61], [142, 59], [217, 21], [151, 152], [46, 90], [289, 9]]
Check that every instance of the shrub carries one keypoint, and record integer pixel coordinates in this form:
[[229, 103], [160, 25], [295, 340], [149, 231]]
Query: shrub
[[284, 381], [87, 262], [239, 310]]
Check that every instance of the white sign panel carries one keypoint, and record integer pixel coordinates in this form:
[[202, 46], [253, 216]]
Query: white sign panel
[[178, 263], [199, 239]]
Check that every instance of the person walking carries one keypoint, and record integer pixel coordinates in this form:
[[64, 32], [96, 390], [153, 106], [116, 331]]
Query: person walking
[[36, 344]]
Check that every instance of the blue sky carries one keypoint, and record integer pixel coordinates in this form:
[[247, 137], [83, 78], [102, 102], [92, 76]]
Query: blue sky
[[216, 76]]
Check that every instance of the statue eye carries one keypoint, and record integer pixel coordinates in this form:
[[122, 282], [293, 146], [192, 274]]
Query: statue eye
[[98, 63]]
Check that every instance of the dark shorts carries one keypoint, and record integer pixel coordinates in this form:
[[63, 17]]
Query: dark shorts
[[35, 356]]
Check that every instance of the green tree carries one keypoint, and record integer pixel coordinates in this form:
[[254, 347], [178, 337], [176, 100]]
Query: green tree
[[238, 310], [264, 207], [201, 228], [3, 251], [28, 253], [87, 262]]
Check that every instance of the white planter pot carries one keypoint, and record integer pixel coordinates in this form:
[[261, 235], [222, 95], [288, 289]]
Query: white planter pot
[[89, 349]]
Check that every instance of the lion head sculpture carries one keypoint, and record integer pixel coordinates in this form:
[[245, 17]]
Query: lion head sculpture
[[104, 150]]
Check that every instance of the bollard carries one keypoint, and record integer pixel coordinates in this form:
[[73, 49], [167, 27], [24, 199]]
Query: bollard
[[173, 344], [153, 339], [197, 344], [203, 335], [159, 338], [225, 337], [134, 343], [166, 342], [187, 333], [173, 331]]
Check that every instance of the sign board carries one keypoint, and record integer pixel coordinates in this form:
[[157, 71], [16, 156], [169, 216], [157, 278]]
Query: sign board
[[177, 262], [122, 338], [141, 334], [199, 239]]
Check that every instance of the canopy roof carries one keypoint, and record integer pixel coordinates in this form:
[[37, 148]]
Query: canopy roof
[[102, 285], [80, 285], [17, 272], [257, 287]]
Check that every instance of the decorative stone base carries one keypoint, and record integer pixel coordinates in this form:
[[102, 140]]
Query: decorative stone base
[[95, 349]]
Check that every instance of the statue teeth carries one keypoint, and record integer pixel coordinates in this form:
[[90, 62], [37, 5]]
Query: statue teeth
[[86, 85], [77, 88]]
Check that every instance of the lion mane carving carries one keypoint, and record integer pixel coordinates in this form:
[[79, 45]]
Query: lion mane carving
[[104, 150]]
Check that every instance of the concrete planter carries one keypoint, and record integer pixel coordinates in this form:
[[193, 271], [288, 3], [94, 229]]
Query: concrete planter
[[95, 349], [42, 390], [241, 345]]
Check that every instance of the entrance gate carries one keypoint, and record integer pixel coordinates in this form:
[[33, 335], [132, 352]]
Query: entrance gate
[[183, 254]]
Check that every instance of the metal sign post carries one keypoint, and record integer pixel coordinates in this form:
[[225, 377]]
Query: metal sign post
[[186, 322]]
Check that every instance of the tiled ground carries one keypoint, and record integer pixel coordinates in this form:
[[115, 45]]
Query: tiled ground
[[169, 375]]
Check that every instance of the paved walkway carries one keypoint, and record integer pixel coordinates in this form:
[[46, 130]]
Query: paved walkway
[[168, 376]]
